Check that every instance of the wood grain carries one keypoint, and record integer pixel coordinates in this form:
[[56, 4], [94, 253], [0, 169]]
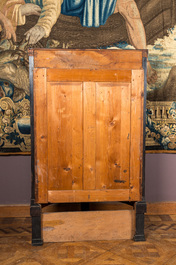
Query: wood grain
[[76, 226], [102, 122], [65, 136], [89, 129], [89, 124], [112, 135], [125, 132], [77, 137], [87, 75], [40, 135], [158, 208], [57, 196], [14, 211], [136, 150], [88, 59]]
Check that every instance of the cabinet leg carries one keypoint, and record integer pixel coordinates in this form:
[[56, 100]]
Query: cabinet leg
[[35, 211], [140, 208]]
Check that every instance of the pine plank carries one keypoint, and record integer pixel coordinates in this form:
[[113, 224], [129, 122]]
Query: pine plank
[[89, 128], [160, 208], [59, 103], [102, 122], [136, 150], [40, 134], [65, 135], [88, 59], [77, 136], [60, 196], [114, 136], [125, 134], [76, 226], [15, 210], [87, 75]]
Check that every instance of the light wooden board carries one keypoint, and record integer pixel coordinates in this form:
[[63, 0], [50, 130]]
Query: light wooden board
[[14, 211], [89, 128], [40, 135], [136, 152], [65, 136], [86, 226], [161, 208], [86, 75], [88, 59], [60, 196]]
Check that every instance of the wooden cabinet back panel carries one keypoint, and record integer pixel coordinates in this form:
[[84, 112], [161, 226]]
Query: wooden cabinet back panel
[[88, 133], [88, 146]]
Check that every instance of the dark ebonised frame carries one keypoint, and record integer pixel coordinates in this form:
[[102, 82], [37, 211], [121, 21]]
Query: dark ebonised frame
[[35, 209], [141, 207]]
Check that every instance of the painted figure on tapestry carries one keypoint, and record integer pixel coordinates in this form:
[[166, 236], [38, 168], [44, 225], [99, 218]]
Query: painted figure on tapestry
[[7, 29], [117, 24], [91, 13]]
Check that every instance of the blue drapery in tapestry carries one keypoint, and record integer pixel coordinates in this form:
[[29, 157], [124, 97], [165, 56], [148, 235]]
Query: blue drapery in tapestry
[[92, 13]]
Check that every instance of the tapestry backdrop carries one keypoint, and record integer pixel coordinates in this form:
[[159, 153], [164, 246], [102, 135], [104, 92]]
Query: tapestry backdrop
[[97, 24]]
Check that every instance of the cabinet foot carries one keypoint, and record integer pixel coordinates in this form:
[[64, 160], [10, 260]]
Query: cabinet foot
[[140, 208], [35, 212]]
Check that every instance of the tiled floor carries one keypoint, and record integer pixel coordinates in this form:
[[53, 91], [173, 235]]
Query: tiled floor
[[159, 248]]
